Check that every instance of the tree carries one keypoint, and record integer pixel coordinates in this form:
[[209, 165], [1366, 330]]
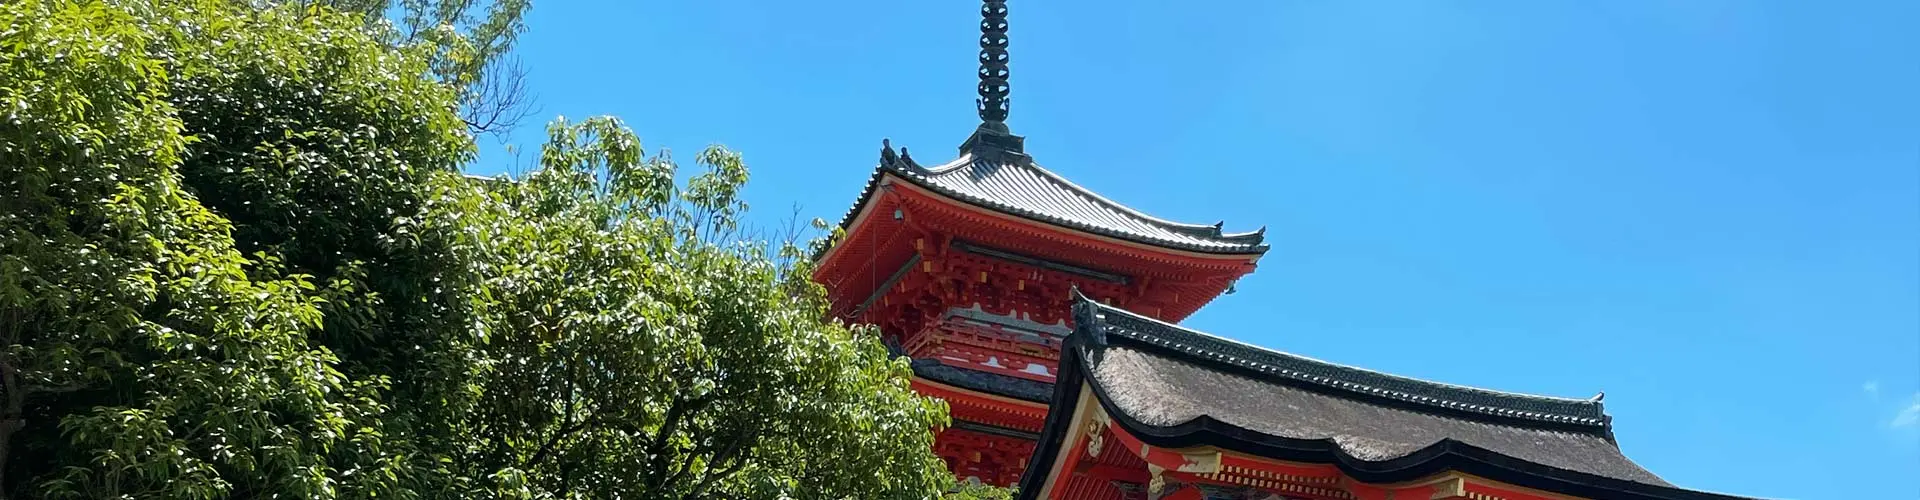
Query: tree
[[469, 45], [980, 492], [239, 261], [320, 141], [644, 348], [141, 360]]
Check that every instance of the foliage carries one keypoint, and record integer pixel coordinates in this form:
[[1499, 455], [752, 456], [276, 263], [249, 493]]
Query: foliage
[[317, 140], [141, 359], [394, 329], [980, 492], [643, 348], [469, 46]]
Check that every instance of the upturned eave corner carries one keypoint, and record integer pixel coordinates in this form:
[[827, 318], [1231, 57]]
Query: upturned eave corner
[[898, 162]]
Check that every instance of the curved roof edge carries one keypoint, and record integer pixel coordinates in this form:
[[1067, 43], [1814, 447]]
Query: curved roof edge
[[1201, 230], [990, 383], [1445, 455], [1108, 322], [1033, 199]]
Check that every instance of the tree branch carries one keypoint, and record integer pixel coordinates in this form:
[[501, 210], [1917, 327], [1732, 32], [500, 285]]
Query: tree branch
[[657, 449], [547, 447], [573, 399], [498, 98], [11, 420], [730, 456]]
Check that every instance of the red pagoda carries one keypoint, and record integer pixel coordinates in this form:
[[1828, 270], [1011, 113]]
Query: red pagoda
[[1044, 315]]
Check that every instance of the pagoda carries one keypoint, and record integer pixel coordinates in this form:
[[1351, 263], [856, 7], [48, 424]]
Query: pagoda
[[1045, 316], [968, 265]]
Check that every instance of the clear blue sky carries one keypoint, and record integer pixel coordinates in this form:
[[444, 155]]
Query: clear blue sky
[[1708, 209]]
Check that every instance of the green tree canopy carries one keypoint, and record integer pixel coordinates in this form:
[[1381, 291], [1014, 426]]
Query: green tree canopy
[[650, 349], [237, 259]]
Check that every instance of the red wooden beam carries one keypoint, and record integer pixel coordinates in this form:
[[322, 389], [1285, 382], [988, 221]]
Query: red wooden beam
[[1058, 491], [1110, 472]]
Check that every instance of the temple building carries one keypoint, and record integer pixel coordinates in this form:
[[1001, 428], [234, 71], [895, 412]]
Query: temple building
[[1046, 316]]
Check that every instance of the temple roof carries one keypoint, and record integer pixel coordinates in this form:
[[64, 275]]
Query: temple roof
[[1175, 387], [1270, 366], [1165, 392], [1015, 185], [990, 383]]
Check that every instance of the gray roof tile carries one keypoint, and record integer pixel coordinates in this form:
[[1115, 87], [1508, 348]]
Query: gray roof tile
[[1114, 321], [1164, 375], [1015, 185], [1162, 391], [991, 383]]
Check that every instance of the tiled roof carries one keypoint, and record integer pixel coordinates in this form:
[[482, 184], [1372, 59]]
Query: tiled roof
[[1163, 375], [991, 383], [1164, 391], [1176, 388], [1014, 184], [1301, 370]]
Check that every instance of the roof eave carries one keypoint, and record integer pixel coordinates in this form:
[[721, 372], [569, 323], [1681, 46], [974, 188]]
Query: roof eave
[[1253, 249], [1443, 456], [1391, 390], [987, 383]]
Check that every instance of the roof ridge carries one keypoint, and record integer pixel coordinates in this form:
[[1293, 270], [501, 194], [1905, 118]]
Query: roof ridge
[[1348, 378], [913, 167]]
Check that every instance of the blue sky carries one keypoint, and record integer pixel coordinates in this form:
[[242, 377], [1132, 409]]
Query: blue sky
[[1708, 209]]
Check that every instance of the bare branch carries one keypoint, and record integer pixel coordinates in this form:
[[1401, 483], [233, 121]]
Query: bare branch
[[498, 100]]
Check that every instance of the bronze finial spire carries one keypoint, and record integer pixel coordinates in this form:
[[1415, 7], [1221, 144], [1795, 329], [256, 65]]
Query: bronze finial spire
[[993, 63], [992, 137]]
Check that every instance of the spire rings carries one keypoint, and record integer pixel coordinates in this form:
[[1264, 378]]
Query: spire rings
[[994, 89]]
